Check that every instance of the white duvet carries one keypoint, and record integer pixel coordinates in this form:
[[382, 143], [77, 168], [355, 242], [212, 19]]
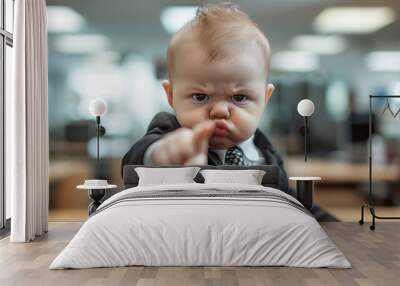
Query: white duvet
[[190, 230]]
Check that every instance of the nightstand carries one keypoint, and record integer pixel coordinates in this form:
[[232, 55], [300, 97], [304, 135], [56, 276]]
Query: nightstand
[[96, 194], [305, 189]]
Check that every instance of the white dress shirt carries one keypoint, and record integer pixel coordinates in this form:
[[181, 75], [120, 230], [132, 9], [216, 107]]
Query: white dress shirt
[[251, 152]]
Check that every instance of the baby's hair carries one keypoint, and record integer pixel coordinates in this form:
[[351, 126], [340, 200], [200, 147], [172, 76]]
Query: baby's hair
[[217, 27]]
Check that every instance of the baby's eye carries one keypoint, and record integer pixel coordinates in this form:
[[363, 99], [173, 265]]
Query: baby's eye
[[239, 98], [200, 97]]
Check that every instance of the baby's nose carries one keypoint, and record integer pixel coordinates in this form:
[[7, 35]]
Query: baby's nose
[[220, 110]]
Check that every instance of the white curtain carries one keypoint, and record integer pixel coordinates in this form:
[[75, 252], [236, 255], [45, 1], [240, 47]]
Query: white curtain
[[27, 124]]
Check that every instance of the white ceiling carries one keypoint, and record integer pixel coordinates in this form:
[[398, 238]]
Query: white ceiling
[[134, 25]]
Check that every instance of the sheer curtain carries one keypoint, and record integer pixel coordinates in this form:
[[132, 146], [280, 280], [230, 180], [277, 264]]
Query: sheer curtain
[[27, 124]]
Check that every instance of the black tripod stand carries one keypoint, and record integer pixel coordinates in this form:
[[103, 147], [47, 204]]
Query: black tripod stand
[[369, 204]]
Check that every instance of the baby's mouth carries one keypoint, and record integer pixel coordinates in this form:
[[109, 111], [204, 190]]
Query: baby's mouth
[[221, 128]]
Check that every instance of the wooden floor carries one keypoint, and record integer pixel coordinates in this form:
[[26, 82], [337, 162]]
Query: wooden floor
[[374, 255]]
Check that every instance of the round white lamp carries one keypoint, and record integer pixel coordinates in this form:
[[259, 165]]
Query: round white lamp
[[305, 108], [98, 107]]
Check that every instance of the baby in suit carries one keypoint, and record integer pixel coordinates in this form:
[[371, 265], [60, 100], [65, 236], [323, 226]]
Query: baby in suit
[[218, 70], [218, 67]]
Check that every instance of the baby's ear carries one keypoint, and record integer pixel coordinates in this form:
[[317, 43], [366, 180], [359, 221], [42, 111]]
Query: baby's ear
[[268, 92], [168, 91]]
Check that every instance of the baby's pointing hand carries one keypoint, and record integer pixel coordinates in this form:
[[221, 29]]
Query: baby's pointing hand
[[184, 146]]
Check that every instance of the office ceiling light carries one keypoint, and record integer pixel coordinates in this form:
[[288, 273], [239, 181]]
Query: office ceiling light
[[295, 61], [82, 43], [383, 61], [353, 20], [173, 18], [63, 19], [319, 44]]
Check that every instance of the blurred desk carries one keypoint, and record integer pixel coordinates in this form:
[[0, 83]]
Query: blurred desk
[[333, 171], [65, 168], [64, 175]]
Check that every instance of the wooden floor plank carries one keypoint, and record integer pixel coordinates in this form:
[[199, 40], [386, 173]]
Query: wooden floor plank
[[374, 255]]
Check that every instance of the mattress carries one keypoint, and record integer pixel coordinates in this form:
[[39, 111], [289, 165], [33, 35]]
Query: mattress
[[201, 225]]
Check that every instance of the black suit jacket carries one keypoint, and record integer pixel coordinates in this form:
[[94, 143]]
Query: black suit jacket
[[165, 122]]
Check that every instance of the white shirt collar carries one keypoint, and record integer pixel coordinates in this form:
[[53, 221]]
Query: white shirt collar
[[248, 147]]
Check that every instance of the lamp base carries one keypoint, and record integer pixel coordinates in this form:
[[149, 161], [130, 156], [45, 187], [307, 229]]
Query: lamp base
[[96, 195]]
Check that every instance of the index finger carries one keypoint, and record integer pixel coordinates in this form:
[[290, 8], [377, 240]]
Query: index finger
[[202, 133]]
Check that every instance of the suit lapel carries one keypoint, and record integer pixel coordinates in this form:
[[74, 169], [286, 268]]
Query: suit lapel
[[265, 146], [213, 159]]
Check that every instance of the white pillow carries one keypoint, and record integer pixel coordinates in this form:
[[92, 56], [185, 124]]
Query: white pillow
[[249, 177], [166, 175]]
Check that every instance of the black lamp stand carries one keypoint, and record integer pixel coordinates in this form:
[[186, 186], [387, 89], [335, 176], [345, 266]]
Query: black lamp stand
[[305, 137], [96, 195], [100, 130]]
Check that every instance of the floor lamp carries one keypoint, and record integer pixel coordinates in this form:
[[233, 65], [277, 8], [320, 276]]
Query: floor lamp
[[305, 185], [97, 188]]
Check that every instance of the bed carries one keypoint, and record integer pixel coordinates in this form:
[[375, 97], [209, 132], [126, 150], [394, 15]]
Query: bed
[[201, 224]]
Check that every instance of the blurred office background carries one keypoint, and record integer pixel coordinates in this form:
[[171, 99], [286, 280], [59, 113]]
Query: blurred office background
[[335, 53]]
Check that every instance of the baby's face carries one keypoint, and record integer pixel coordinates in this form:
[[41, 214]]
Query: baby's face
[[232, 92]]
